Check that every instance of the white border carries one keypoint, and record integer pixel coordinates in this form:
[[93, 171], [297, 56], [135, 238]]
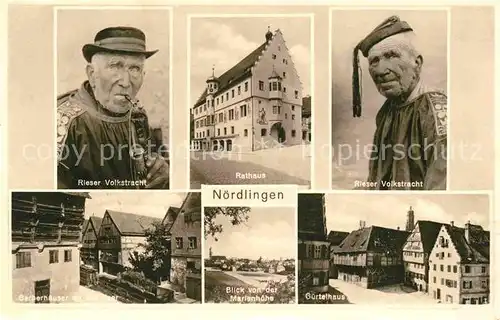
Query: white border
[[484, 309], [55, 10], [312, 93], [448, 74]]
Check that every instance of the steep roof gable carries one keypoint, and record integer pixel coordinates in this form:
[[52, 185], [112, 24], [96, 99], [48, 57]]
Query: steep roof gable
[[429, 231], [239, 71], [96, 223], [170, 217], [476, 250], [130, 223]]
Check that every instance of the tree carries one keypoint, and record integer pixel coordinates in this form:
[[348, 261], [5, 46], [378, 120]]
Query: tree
[[236, 215], [154, 261]]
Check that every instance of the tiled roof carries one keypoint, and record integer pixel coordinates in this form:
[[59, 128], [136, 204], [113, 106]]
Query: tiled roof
[[374, 238], [130, 223], [170, 217], [85, 223], [336, 237], [477, 249], [96, 222], [240, 71], [311, 217], [429, 231]]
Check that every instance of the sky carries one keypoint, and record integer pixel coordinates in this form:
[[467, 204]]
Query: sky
[[343, 212], [224, 42], [154, 92], [348, 28], [151, 204], [270, 233]]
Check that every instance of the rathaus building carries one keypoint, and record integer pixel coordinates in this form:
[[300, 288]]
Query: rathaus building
[[256, 104]]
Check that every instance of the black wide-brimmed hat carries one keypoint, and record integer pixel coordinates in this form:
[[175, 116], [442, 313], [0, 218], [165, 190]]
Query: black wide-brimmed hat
[[126, 40]]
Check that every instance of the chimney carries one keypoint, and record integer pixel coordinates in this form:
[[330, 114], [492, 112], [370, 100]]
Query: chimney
[[467, 231], [410, 220], [398, 228], [361, 224], [452, 223]]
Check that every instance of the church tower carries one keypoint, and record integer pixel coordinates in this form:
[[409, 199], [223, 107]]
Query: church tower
[[410, 220]]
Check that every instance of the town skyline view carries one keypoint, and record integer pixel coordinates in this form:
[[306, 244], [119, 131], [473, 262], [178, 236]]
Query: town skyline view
[[151, 204], [344, 212], [269, 233]]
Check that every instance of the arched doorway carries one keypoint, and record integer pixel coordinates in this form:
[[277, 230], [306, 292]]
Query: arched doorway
[[229, 144], [277, 132], [221, 143]]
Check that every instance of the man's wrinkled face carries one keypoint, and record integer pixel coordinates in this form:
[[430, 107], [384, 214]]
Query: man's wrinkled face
[[394, 67], [113, 76]]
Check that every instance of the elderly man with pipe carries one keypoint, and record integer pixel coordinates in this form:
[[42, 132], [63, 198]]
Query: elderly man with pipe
[[409, 144], [104, 140]]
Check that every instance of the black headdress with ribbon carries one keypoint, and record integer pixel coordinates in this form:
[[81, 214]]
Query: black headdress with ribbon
[[391, 26]]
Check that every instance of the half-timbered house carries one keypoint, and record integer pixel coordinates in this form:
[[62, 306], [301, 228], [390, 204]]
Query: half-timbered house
[[46, 230]]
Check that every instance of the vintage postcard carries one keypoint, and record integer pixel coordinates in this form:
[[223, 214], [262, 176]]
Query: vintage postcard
[[250, 99], [389, 99], [400, 249], [249, 256], [112, 83], [106, 247]]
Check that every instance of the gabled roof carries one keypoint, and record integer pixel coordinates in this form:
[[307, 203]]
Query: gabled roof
[[170, 217], [429, 231], [477, 249], [85, 224], [336, 237], [96, 222], [238, 72], [374, 238], [130, 223]]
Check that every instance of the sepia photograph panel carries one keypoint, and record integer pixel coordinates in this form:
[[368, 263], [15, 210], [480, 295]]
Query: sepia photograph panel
[[250, 100], [389, 99], [112, 83], [106, 247], [249, 255], [394, 249]]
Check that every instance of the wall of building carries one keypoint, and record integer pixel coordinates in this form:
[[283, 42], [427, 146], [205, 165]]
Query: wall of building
[[478, 279], [64, 276], [264, 68], [358, 280], [444, 270], [314, 264], [350, 259]]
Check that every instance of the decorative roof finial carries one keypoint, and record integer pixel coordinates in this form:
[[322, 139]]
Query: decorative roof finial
[[213, 70], [269, 34]]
